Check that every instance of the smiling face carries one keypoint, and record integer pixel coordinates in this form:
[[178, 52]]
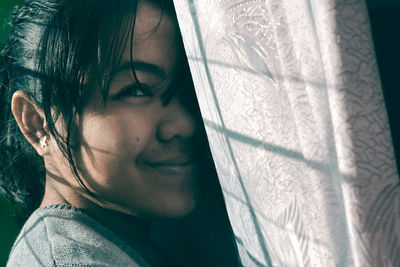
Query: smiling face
[[136, 153]]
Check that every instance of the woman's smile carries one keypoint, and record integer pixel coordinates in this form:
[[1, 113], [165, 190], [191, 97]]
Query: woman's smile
[[181, 165]]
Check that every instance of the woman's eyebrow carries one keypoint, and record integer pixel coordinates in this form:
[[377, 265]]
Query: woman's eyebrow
[[141, 66]]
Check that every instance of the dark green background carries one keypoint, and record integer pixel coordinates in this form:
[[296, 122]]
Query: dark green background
[[385, 24], [8, 224]]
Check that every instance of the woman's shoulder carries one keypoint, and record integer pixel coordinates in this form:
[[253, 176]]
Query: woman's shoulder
[[62, 235]]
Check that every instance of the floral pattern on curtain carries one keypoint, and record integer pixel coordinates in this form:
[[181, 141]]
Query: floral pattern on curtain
[[290, 95]]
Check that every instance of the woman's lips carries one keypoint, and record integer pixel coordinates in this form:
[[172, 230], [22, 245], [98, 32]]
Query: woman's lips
[[179, 166]]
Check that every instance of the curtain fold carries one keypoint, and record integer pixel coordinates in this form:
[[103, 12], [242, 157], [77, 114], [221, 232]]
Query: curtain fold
[[290, 95]]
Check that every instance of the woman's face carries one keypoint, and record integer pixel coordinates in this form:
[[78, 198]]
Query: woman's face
[[136, 153]]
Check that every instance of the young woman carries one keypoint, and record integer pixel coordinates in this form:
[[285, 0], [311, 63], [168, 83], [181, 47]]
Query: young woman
[[99, 127]]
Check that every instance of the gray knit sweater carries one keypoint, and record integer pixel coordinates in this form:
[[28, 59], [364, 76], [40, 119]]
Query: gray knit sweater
[[61, 235]]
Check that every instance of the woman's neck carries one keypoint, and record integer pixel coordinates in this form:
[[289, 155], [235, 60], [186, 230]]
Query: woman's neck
[[134, 231], [131, 229], [128, 227]]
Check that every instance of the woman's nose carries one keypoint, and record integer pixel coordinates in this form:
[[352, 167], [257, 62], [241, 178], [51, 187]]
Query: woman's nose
[[176, 122]]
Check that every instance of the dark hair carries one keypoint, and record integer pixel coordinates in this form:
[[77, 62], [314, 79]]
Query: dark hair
[[54, 45]]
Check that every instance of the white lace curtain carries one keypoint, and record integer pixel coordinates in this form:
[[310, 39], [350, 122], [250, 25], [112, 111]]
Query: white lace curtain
[[291, 99]]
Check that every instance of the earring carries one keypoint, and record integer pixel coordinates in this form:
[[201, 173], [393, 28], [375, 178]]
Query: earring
[[43, 143]]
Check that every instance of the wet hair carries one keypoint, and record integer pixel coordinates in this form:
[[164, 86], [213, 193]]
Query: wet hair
[[53, 48]]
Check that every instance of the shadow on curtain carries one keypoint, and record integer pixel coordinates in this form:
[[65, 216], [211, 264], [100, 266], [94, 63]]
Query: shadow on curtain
[[291, 99]]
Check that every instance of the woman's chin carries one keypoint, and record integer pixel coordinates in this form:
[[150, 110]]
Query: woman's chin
[[176, 209]]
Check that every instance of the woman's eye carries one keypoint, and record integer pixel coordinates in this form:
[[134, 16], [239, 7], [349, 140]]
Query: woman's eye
[[136, 90]]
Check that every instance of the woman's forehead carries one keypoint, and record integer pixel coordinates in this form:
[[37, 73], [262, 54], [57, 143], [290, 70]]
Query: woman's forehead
[[150, 17], [155, 39]]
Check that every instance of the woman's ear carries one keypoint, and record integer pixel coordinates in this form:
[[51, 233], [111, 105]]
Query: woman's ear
[[31, 121]]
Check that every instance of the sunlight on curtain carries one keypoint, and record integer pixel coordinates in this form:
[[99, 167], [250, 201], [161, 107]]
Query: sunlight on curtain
[[291, 99]]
